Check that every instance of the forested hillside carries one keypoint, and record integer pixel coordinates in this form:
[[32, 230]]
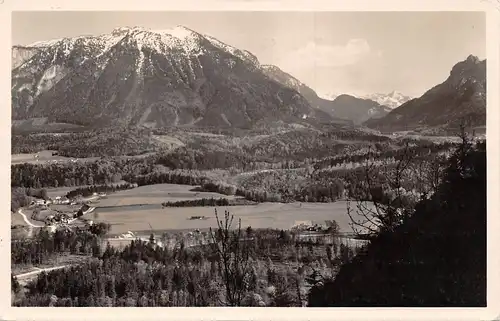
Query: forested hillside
[[437, 257]]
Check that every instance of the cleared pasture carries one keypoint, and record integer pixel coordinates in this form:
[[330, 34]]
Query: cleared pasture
[[17, 219], [264, 215], [156, 194], [168, 141], [45, 157]]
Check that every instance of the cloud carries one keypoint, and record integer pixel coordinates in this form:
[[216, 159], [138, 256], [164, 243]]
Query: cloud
[[314, 55], [330, 67]]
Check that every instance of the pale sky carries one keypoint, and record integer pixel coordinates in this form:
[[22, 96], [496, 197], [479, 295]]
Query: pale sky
[[332, 52]]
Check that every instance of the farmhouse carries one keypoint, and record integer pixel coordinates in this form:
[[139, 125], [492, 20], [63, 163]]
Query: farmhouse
[[308, 226], [39, 202], [49, 220], [61, 200], [127, 235], [50, 228], [302, 223], [197, 218]]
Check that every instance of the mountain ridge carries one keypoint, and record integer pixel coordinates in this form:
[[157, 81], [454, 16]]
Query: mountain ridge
[[392, 100], [136, 76], [462, 96], [353, 109]]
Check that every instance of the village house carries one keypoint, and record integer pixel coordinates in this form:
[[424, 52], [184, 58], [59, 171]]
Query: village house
[[49, 220], [61, 200], [38, 202]]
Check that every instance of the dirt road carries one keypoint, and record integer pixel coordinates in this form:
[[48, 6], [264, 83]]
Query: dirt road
[[20, 211]]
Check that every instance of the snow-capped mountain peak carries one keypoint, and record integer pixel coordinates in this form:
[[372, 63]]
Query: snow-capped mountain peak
[[135, 75], [392, 100], [332, 96], [178, 37]]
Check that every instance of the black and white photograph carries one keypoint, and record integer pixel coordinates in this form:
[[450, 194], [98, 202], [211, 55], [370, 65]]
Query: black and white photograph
[[248, 159]]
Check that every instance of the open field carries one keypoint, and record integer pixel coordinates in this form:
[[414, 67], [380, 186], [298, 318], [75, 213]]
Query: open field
[[133, 210], [168, 141], [264, 215], [17, 219], [42, 125], [156, 194], [42, 215], [27, 218], [45, 157]]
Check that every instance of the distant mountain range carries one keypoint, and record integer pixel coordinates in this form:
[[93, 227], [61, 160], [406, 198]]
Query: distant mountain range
[[135, 76], [461, 97], [392, 100], [178, 77], [345, 107]]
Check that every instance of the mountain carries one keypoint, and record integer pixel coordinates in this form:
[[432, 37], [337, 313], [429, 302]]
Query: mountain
[[21, 54], [291, 82], [357, 109], [392, 100], [331, 96], [135, 76], [346, 107], [461, 96]]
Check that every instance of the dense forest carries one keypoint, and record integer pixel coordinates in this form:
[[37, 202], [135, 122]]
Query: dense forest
[[143, 274], [264, 168], [119, 141], [98, 143], [44, 245], [90, 190]]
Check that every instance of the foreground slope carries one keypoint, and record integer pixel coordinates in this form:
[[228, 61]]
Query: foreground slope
[[135, 76], [436, 259]]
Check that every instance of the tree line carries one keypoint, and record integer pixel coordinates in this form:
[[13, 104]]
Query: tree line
[[21, 196], [90, 190], [199, 202]]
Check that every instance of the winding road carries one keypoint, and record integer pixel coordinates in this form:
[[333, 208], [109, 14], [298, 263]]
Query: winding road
[[26, 219], [38, 271], [25, 278]]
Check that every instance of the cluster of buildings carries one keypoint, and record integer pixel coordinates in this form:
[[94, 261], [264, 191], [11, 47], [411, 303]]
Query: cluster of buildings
[[62, 200], [57, 201], [59, 218], [308, 226]]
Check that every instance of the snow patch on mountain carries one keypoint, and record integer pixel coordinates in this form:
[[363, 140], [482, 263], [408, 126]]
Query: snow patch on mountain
[[43, 44], [242, 54], [160, 41], [332, 96], [392, 100], [178, 32], [50, 77]]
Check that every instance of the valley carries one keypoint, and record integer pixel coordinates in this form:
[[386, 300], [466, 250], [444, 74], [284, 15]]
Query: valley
[[168, 168]]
